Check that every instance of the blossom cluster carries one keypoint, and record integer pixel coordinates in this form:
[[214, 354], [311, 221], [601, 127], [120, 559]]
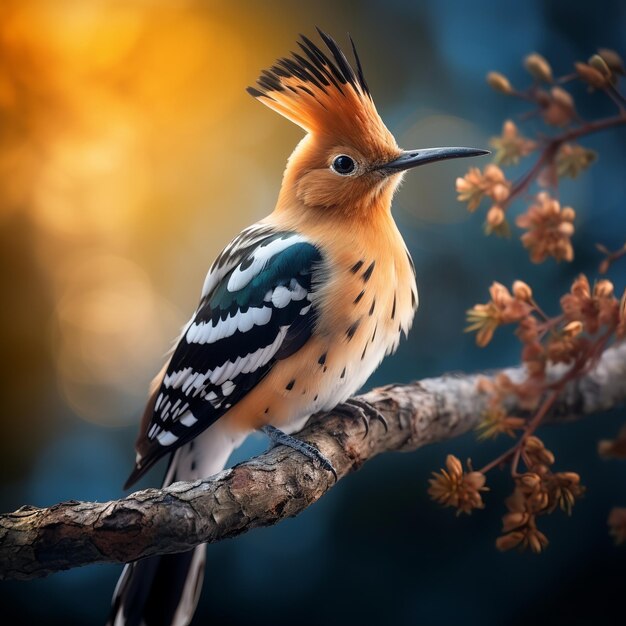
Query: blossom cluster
[[590, 318], [548, 226], [538, 491], [456, 488]]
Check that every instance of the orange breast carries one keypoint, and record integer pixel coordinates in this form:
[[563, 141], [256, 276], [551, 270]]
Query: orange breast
[[366, 296]]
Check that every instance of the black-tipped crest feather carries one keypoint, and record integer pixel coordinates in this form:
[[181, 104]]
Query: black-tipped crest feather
[[319, 69], [359, 68], [342, 63]]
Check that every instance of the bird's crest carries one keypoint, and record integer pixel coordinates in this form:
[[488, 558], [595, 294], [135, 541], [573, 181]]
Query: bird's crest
[[321, 93]]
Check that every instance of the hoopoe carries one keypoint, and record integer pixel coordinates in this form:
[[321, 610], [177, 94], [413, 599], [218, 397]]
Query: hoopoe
[[295, 313]]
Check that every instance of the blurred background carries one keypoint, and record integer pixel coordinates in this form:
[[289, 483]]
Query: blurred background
[[130, 154]]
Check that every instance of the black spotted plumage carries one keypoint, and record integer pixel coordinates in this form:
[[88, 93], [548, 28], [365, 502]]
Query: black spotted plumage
[[367, 274], [189, 400]]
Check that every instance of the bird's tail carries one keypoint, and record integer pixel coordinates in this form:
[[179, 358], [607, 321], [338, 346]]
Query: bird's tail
[[164, 590]]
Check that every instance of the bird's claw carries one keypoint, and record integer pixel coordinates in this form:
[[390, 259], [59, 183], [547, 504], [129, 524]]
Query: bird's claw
[[355, 407], [278, 437]]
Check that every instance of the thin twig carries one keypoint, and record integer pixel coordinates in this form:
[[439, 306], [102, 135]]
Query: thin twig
[[552, 147], [610, 257]]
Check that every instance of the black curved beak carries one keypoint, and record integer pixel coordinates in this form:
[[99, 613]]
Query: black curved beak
[[412, 158]]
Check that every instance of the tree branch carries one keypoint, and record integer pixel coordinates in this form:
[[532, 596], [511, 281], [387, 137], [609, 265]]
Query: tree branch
[[278, 484]]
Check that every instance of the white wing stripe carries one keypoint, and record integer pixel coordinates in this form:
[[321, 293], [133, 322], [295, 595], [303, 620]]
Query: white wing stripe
[[248, 363], [281, 297], [176, 379], [188, 420], [245, 239], [216, 375], [191, 381], [205, 332], [260, 258], [261, 316], [228, 387], [166, 438]]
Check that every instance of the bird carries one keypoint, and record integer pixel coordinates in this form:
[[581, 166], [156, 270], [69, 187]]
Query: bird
[[295, 313]]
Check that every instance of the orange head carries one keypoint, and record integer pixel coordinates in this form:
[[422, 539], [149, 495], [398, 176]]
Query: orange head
[[348, 161]]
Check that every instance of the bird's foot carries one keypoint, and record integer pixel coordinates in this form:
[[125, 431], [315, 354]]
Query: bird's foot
[[277, 438], [355, 407]]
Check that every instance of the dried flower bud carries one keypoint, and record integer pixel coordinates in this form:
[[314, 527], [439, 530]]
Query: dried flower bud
[[452, 487], [499, 82], [511, 521], [454, 466], [510, 541], [494, 174], [500, 192], [593, 310], [538, 67], [562, 97], [559, 109], [572, 159], [475, 480], [569, 477], [495, 421], [590, 75], [603, 289], [499, 293], [503, 308], [475, 185], [564, 347], [529, 481], [580, 287], [526, 535], [511, 146], [613, 60], [537, 541], [614, 448], [598, 63], [573, 329], [495, 216], [522, 291], [538, 455], [533, 444], [564, 488], [541, 468], [617, 524], [549, 229]]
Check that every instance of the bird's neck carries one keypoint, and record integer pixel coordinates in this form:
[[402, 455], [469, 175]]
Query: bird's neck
[[369, 213], [346, 233]]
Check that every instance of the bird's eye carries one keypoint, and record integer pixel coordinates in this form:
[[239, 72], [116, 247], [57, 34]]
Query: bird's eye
[[343, 165]]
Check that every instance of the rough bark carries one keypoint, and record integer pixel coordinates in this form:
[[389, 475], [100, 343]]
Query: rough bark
[[278, 484]]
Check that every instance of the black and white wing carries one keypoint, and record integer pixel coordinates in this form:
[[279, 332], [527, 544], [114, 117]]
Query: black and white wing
[[256, 309]]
